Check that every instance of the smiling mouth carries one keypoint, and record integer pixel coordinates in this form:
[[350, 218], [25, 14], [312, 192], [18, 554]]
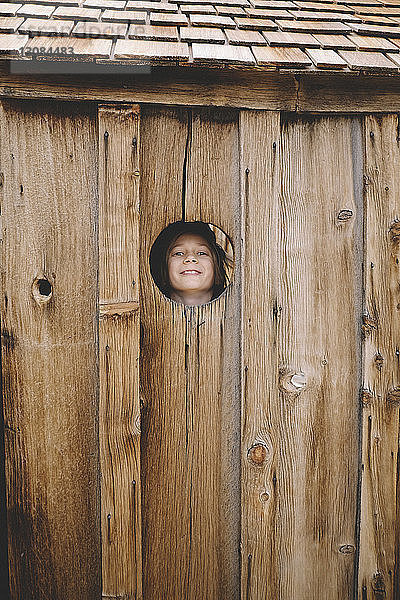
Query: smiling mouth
[[190, 272]]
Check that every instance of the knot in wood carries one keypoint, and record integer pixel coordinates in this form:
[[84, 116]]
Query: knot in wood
[[257, 454], [378, 583], [347, 549], [368, 324], [345, 214], [137, 424], [378, 361], [366, 397], [394, 233], [393, 396], [291, 381], [264, 496]]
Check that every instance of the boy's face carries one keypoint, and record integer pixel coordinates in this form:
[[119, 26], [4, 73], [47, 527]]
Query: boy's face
[[190, 264]]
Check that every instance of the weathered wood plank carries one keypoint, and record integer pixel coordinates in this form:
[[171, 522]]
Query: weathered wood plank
[[194, 86], [166, 449], [379, 542], [212, 195], [230, 87], [259, 179], [119, 346], [301, 373], [49, 349], [362, 94]]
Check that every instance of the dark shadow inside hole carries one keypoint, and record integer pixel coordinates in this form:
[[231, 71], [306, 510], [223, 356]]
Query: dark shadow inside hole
[[218, 242], [44, 287]]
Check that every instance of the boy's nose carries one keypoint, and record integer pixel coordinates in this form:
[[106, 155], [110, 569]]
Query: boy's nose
[[190, 258]]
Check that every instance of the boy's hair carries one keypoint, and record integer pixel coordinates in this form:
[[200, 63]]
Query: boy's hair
[[159, 254]]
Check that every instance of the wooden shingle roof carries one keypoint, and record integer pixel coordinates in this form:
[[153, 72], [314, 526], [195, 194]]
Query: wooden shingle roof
[[353, 35]]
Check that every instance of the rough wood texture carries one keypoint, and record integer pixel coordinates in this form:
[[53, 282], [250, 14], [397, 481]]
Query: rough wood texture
[[338, 95], [379, 543], [190, 430], [300, 405], [247, 90], [49, 349], [224, 52], [161, 86], [212, 195], [308, 93], [166, 412], [202, 34], [119, 341]]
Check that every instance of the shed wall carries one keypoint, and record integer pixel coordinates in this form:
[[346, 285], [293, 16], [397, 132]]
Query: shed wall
[[252, 479]]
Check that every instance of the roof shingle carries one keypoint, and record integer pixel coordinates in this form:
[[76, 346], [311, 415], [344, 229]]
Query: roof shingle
[[312, 35]]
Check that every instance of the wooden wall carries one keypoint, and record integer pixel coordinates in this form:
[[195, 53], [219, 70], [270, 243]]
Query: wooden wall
[[247, 448], [49, 348]]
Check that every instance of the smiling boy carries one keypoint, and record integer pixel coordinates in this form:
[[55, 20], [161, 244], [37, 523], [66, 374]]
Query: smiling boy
[[191, 270]]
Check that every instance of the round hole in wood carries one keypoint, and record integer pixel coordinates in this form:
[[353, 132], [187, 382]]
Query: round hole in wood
[[216, 239], [42, 290]]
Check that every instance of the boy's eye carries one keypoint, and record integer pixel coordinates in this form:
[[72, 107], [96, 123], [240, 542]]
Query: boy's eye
[[180, 252]]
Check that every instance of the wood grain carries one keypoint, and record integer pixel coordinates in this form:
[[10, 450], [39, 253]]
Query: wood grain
[[293, 40], [202, 34], [379, 542], [301, 371], [212, 195], [362, 59], [223, 52], [166, 449], [49, 349], [153, 32], [244, 37], [325, 58], [281, 56], [190, 426], [119, 347], [319, 93]]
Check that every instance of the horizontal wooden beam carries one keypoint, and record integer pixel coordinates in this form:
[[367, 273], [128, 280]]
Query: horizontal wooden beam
[[160, 85], [263, 89]]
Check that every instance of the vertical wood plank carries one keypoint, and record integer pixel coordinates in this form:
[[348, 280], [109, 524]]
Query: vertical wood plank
[[213, 366], [260, 411], [379, 541], [49, 349], [301, 371], [165, 417], [119, 343], [189, 369]]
